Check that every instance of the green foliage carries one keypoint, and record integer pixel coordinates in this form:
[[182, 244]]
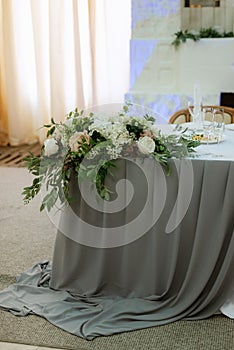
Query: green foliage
[[183, 36], [149, 118], [173, 147], [33, 163], [134, 129]]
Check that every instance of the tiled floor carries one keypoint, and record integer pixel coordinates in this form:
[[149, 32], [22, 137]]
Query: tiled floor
[[13, 346]]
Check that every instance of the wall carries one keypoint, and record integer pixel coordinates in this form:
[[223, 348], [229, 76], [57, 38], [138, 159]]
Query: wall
[[161, 77]]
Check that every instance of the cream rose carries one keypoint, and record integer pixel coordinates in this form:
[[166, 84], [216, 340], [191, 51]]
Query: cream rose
[[50, 147], [146, 145], [77, 139]]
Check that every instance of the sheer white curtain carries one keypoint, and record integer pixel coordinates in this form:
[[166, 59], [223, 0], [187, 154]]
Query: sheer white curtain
[[56, 55]]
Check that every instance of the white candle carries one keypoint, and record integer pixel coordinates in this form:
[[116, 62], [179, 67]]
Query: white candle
[[197, 95]]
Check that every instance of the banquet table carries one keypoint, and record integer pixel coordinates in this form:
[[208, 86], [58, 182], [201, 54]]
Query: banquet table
[[167, 254]]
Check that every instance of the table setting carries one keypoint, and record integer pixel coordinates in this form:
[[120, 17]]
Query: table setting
[[207, 126], [208, 148]]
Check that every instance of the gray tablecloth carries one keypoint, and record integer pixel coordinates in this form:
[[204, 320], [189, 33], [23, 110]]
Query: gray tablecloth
[[181, 266]]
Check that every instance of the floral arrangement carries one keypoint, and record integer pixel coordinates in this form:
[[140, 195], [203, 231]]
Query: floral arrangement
[[87, 145]]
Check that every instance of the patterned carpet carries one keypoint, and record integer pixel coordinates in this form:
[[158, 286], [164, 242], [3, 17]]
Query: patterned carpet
[[27, 237], [215, 333]]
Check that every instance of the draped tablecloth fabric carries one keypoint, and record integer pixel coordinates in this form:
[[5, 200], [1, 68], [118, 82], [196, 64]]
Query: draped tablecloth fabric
[[180, 268]]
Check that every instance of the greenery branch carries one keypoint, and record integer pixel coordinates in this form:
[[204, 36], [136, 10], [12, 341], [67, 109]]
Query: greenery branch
[[182, 36]]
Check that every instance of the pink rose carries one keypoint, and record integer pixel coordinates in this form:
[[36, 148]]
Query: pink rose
[[77, 139]]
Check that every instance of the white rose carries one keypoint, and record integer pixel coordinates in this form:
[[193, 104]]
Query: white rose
[[146, 145], [50, 147]]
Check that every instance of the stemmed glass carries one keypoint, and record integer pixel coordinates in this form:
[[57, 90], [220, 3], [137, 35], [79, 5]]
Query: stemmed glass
[[218, 123], [195, 112], [218, 126]]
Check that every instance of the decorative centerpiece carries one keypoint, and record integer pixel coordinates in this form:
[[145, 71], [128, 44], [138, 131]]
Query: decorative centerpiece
[[87, 145]]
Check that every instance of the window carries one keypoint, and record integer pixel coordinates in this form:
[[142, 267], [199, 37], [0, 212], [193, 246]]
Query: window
[[202, 3]]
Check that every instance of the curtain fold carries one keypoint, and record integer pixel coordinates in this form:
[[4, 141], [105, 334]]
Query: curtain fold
[[56, 55], [3, 111]]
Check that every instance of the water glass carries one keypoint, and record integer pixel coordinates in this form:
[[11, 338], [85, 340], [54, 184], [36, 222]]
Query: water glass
[[207, 123]]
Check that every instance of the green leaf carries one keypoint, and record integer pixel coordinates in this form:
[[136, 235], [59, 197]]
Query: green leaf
[[181, 37], [50, 131], [42, 207], [107, 196]]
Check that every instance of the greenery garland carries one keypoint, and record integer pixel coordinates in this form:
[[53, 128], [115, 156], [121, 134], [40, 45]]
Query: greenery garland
[[182, 36], [87, 145]]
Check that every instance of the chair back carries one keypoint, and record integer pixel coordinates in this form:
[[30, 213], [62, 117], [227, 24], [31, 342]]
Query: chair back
[[183, 115]]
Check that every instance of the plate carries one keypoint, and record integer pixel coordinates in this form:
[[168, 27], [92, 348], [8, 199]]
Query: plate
[[229, 126], [167, 129], [204, 140], [193, 126], [189, 125]]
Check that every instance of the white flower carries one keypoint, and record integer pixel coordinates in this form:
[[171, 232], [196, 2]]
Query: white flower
[[122, 139], [50, 147], [77, 139], [92, 153], [146, 145], [114, 151]]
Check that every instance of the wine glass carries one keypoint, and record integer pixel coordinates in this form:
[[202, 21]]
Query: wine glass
[[218, 127], [218, 123], [195, 112]]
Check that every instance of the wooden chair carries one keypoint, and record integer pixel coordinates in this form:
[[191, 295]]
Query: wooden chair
[[183, 115]]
